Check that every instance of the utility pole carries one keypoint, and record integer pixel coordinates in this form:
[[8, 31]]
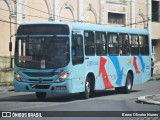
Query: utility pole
[[149, 24], [10, 43]]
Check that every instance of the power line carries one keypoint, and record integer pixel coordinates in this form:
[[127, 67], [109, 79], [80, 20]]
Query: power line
[[129, 2], [8, 17], [76, 8], [115, 1], [25, 14], [64, 17], [31, 7], [43, 11], [92, 22], [35, 3], [47, 18], [137, 22], [5, 21]]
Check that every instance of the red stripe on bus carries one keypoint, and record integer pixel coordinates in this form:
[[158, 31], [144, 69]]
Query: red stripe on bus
[[102, 71], [135, 65]]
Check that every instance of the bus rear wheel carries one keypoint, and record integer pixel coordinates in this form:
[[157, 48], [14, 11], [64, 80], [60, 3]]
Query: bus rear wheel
[[128, 85], [41, 95]]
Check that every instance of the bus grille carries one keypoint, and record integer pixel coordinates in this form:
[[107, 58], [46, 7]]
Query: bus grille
[[40, 74], [39, 86], [40, 81]]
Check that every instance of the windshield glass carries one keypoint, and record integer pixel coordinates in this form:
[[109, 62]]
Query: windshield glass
[[42, 52]]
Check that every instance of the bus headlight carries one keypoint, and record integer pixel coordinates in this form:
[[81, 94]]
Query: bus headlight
[[19, 77], [63, 77]]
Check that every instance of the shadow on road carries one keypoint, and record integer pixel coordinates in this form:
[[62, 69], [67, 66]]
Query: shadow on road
[[56, 98]]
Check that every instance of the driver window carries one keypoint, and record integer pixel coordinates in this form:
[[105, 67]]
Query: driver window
[[77, 49]]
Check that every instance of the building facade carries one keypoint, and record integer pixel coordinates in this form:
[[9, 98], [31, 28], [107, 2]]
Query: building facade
[[126, 13], [155, 29]]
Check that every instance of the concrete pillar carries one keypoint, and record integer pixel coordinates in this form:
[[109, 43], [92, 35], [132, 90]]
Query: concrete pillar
[[80, 10], [101, 16], [133, 17], [49, 9], [19, 9], [8, 2], [56, 10]]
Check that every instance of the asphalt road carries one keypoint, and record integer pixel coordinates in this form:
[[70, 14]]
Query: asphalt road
[[102, 101]]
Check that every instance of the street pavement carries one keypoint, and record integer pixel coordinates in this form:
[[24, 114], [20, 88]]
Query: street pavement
[[147, 99], [104, 101]]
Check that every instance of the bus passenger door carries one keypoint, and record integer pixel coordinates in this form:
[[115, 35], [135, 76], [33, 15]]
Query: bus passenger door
[[77, 61]]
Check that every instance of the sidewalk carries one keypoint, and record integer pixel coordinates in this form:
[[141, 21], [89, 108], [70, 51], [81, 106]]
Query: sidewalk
[[6, 89], [150, 99]]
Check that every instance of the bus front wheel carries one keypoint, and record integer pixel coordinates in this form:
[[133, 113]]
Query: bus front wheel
[[41, 95], [86, 93]]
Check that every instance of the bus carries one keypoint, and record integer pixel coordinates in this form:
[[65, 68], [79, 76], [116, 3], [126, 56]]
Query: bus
[[73, 57]]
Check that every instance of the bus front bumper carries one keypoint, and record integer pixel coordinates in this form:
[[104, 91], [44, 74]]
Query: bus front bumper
[[63, 87]]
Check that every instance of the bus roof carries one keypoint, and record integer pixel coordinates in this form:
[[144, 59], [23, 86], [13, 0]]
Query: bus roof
[[95, 27]]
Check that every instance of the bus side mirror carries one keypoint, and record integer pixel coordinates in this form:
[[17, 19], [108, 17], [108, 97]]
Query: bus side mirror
[[10, 46]]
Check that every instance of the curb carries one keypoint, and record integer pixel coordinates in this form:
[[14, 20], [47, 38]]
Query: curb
[[6, 90], [149, 99]]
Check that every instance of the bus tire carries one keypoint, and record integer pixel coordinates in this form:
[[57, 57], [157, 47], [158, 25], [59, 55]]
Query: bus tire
[[41, 95], [86, 93], [128, 85]]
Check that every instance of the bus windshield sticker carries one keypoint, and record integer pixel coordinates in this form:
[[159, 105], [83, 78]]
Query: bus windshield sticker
[[43, 64], [25, 58]]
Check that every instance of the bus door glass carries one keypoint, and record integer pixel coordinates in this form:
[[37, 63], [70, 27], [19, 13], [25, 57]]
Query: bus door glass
[[77, 53]]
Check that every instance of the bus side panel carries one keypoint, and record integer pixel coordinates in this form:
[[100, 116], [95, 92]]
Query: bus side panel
[[101, 72], [137, 76], [141, 65], [119, 66], [114, 70], [78, 79], [146, 67], [92, 66], [107, 73]]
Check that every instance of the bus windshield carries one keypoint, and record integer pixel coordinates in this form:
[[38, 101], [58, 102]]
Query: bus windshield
[[46, 52]]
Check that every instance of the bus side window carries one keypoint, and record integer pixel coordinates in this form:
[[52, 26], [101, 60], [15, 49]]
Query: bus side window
[[144, 45], [89, 43], [124, 44], [113, 44], [101, 48], [77, 49], [134, 45]]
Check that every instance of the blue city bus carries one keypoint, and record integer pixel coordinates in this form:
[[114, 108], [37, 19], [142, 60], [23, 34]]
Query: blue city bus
[[70, 57]]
